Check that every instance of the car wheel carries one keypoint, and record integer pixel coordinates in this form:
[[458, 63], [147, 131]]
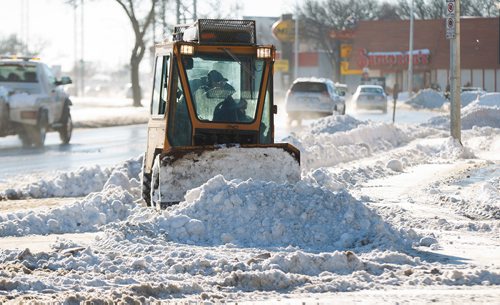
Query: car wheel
[[38, 132], [67, 129]]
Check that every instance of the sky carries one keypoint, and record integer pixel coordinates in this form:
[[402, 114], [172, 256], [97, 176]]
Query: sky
[[107, 31]]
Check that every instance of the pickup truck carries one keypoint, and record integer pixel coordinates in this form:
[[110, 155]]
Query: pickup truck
[[32, 101]]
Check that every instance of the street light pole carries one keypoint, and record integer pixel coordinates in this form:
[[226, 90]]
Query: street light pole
[[297, 46], [410, 55], [498, 8], [455, 73]]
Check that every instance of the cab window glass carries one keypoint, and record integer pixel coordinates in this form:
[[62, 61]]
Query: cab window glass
[[51, 79], [265, 126], [155, 103], [225, 88], [179, 124], [164, 85]]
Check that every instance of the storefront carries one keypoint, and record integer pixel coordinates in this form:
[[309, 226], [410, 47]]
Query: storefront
[[380, 49]]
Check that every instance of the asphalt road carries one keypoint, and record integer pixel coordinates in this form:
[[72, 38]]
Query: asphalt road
[[111, 145], [102, 146]]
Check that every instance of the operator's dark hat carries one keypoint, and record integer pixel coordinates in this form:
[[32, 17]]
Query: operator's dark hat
[[216, 76]]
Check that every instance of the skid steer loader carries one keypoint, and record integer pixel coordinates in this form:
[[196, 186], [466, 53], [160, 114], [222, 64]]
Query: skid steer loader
[[212, 112]]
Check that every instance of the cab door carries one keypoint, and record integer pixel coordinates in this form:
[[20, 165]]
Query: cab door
[[56, 95]]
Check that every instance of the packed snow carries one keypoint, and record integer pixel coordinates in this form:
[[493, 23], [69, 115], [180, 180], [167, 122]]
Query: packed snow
[[378, 207], [191, 171], [484, 111], [427, 98]]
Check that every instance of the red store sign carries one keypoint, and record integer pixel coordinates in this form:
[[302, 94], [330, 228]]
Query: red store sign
[[390, 59]]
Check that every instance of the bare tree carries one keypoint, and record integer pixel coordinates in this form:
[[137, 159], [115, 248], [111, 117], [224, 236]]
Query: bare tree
[[388, 11], [321, 18], [432, 9], [139, 27], [13, 45]]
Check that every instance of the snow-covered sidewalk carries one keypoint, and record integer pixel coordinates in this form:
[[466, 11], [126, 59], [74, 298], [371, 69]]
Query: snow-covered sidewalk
[[91, 112]]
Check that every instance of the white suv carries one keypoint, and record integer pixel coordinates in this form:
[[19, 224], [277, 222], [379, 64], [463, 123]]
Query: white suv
[[312, 98], [36, 102]]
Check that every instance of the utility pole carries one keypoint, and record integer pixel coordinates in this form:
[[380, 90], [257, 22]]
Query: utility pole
[[75, 46], [453, 33], [82, 61], [297, 47], [410, 55]]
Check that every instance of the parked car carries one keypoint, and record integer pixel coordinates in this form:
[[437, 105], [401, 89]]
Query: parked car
[[36, 102], [313, 98], [370, 97]]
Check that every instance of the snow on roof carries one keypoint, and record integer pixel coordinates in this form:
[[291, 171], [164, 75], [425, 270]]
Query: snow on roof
[[312, 79]]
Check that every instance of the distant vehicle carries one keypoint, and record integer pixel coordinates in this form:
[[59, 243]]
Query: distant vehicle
[[35, 103], [370, 97], [313, 98], [342, 89]]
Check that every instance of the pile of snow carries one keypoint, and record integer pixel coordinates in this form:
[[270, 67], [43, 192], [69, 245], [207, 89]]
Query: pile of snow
[[467, 97], [482, 112], [194, 169], [265, 214], [114, 203], [329, 149], [74, 184], [489, 99], [334, 123], [450, 149], [428, 98]]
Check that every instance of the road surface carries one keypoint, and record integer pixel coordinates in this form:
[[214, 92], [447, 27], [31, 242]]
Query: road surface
[[111, 145]]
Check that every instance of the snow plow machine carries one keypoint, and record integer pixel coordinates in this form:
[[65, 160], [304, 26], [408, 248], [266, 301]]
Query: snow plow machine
[[212, 112]]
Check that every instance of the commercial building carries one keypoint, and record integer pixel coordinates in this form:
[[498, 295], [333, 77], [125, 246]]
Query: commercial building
[[380, 48]]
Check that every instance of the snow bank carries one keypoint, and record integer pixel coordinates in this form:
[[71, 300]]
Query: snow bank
[[427, 98], [329, 149], [482, 112], [489, 99], [77, 183], [115, 202], [266, 214], [467, 97], [450, 149], [334, 123]]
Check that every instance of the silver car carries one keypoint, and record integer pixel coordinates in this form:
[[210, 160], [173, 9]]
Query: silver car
[[370, 97], [312, 98]]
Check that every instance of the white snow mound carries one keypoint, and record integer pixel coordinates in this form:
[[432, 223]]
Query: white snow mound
[[266, 214], [334, 123], [427, 98], [266, 164]]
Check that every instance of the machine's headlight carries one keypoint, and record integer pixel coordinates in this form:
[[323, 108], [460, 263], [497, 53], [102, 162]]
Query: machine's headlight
[[187, 49], [264, 53]]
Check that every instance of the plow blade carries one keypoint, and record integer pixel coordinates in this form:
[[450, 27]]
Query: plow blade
[[179, 170]]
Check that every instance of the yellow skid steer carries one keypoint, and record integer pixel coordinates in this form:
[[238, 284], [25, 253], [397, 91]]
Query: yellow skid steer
[[212, 112]]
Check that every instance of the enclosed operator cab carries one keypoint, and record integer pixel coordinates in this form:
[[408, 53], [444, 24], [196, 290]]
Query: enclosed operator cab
[[212, 98]]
